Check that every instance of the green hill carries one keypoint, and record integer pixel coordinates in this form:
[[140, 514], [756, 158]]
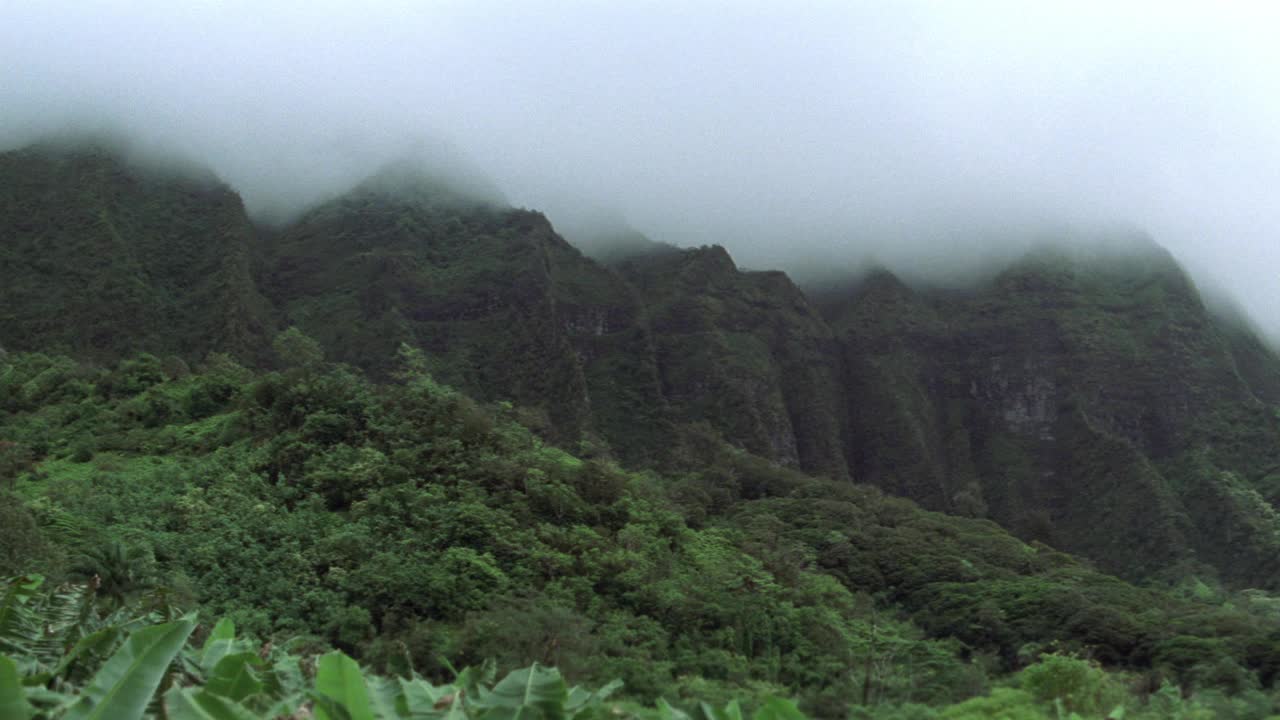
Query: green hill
[[102, 258], [476, 442], [1085, 398], [401, 519]]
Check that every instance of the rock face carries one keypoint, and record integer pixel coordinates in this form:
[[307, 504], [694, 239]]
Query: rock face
[[745, 353], [1085, 401], [100, 258], [1088, 401], [504, 307]]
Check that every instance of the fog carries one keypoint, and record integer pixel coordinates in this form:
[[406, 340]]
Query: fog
[[929, 136]]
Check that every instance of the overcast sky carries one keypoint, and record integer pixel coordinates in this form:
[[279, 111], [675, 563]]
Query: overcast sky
[[787, 131]]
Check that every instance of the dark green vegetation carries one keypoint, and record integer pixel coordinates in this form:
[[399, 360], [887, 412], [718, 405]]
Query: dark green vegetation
[[101, 259], [1091, 402], [76, 660], [473, 444]]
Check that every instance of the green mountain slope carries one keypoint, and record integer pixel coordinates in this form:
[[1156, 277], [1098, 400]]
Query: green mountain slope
[[103, 259], [1087, 400], [478, 443], [744, 352], [505, 308], [1090, 402], [402, 522]]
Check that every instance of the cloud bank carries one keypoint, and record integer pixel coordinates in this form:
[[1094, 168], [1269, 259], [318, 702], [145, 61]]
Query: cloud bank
[[926, 134]]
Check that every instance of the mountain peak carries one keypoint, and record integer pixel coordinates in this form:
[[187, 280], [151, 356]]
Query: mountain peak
[[437, 178]]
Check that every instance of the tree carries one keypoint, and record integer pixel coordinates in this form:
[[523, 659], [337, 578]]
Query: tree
[[15, 459], [119, 572], [296, 349]]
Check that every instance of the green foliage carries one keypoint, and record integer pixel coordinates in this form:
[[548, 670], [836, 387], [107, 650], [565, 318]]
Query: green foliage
[[160, 669], [155, 666], [1077, 685], [338, 678], [118, 572], [410, 527], [13, 701], [1067, 397], [123, 686], [296, 350], [102, 258], [405, 520]]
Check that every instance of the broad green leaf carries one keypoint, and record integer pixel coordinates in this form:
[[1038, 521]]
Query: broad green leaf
[[338, 677], [666, 711], [455, 710], [385, 698], [326, 708], [285, 707], [13, 701], [16, 595], [420, 697], [94, 641], [225, 629], [125, 683], [194, 704], [580, 699], [776, 708], [42, 697], [220, 643], [472, 679], [532, 692], [285, 677], [730, 711], [233, 677], [214, 651]]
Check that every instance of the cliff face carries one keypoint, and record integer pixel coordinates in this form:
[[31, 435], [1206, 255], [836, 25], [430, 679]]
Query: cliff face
[[1090, 401], [503, 306], [100, 258], [745, 353]]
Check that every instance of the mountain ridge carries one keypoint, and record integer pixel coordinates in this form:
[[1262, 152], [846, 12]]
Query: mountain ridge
[[1089, 401]]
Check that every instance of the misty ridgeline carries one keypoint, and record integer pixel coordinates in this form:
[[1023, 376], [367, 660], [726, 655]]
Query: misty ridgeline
[[320, 420]]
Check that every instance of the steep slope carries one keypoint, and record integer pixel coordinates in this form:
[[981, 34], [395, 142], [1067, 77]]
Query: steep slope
[[404, 524], [505, 308], [100, 258], [744, 352], [1090, 401]]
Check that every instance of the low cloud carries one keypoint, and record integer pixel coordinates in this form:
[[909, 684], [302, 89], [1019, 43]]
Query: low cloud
[[928, 135]]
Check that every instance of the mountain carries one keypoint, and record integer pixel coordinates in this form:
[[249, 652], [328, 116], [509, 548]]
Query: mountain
[[505, 307], [1087, 400], [745, 353], [103, 258], [475, 442], [410, 527], [1084, 398]]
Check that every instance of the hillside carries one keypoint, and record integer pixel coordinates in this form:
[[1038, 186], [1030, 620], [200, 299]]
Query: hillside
[[402, 521], [103, 258], [1087, 399], [417, 423]]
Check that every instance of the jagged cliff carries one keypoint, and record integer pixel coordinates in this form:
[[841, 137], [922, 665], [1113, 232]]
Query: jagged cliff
[[1087, 400], [744, 352], [1090, 401], [504, 306]]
